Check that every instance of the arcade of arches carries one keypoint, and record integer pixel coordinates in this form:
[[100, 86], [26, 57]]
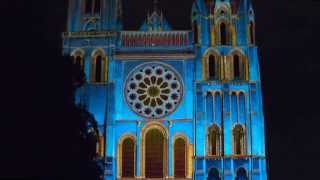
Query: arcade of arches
[[233, 66], [154, 154]]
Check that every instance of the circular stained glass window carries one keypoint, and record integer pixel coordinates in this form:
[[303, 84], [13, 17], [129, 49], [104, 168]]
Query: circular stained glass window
[[153, 90]]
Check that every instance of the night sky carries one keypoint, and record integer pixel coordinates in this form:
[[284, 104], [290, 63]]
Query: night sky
[[36, 80]]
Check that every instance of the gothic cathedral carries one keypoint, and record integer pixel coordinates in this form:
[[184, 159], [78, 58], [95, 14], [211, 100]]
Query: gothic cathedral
[[172, 104]]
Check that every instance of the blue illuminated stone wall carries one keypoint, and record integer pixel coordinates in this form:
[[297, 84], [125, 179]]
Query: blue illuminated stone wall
[[238, 102]]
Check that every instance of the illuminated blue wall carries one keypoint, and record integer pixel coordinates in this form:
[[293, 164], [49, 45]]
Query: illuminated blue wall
[[196, 111]]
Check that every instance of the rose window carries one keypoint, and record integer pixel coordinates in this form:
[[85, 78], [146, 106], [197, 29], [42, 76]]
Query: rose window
[[153, 90]]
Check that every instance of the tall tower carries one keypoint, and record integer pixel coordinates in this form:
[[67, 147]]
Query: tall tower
[[229, 121], [90, 39]]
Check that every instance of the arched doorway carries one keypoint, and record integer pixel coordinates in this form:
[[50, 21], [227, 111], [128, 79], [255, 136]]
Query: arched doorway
[[128, 147], [180, 157], [126, 156], [155, 153], [154, 148], [213, 174]]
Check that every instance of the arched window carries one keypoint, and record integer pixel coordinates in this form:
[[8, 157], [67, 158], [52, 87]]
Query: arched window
[[78, 61], [242, 174], [212, 67], [99, 68], [180, 156], [223, 34], [236, 67], [77, 58], [195, 33], [213, 174], [251, 33], [98, 73], [240, 66], [128, 158], [238, 140], [214, 141]]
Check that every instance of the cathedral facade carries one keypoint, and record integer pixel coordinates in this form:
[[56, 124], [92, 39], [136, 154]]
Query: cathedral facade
[[172, 104]]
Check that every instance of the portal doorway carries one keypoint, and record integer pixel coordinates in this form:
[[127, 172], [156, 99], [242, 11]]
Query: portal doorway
[[128, 161], [154, 151], [154, 154], [126, 157], [180, 158]]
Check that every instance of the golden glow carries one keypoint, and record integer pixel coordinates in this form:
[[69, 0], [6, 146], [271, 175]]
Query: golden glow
[[104, 67], [119, 153], [164, 131]]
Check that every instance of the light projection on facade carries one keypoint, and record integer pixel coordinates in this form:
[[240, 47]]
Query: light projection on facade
[[153, 90], [172, 103]]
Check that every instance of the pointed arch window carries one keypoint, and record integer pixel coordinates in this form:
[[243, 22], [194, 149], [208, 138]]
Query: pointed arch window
[[223, 34], [236, 67], [78, 61], [77, 58], [238, 140], [195, 32], [214, 141], [180, 158], [99, 69], [240, 67], [128, 159], [126, 156], [251, 33], [212, 67]]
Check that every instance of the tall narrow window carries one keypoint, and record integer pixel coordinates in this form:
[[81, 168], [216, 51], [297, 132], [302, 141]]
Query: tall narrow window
[[238, 140], [97, 6], [128, 159], [251, 32], [98, 73], [88, 7], [236, 67], [195, 33], [180, 158], [212, 67], [214, 141], [223, 34]]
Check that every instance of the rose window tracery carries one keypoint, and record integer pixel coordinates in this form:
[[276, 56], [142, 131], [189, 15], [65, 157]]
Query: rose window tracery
[[153, 90]]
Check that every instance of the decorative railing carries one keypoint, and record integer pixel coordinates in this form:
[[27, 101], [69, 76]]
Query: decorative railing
[[138, 39]]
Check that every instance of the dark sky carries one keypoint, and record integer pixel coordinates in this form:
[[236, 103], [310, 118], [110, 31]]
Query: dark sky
[[36, 80]]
